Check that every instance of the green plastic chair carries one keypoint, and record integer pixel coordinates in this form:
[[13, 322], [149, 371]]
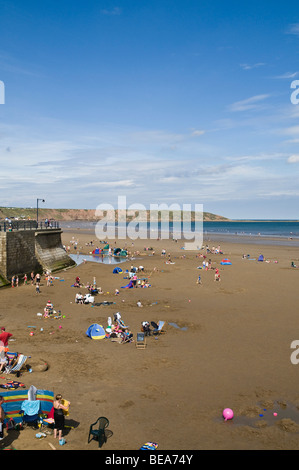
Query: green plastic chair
[[97, 430]]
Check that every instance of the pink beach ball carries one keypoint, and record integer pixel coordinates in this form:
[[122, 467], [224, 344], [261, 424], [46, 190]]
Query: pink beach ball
[[227, 414]]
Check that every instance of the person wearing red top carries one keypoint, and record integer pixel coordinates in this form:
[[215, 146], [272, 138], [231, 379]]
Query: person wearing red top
[[4, 337]]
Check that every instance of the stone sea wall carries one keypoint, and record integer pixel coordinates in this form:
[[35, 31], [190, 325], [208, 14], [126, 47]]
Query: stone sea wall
[[24, 251]]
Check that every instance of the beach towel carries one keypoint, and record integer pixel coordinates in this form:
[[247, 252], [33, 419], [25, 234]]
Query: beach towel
[[129, 286], [31, 407], [149, 446], [67, 404]]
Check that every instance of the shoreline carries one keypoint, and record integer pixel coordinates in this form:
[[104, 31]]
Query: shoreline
[[217, 237]]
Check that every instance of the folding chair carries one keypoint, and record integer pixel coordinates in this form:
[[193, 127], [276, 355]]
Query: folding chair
[[31, 410], [12, 369], [140, 341], [158, 328], [97, 430], [121, 323]]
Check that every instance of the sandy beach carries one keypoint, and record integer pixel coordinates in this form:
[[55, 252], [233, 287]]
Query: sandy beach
[[226, 344]]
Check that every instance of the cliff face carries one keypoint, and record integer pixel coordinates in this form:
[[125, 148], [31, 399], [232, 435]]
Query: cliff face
[[72, 214]]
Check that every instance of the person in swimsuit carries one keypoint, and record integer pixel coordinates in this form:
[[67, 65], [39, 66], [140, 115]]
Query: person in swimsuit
[[58, 416]]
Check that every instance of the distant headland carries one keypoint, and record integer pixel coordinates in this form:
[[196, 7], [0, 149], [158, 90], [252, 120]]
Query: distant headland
[[82, 214]]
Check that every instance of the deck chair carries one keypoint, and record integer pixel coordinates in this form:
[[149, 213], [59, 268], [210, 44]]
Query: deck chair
[[31, 410], [16, 368], [97, 430], [121, 323], [158, 328], [140, 341]]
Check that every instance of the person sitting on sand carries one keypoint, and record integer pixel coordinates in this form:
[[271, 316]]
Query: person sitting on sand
[[79, 298], [48, 310], [127, 336]]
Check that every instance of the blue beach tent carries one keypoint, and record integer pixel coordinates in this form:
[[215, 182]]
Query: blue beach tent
[[261, 258], [96, 331], [117, 270]]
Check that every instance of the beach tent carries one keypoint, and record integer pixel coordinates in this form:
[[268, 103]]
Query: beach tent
[[106, 247], [225, 261], [261, 258], [117, 251], [97, 251], [123, 253], [96, 331], [117, 270]]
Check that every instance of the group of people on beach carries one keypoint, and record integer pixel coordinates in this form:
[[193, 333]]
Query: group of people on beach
[[35, 279], [58, 406]]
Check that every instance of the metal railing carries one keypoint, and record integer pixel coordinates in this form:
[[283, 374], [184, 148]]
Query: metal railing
[[12, 225]]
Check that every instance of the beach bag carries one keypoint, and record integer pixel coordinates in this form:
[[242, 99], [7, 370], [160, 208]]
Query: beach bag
[[10, 424]]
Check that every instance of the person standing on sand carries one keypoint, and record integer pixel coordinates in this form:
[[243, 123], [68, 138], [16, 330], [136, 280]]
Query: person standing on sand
[[59, 416], [4, 337], [32, 278]]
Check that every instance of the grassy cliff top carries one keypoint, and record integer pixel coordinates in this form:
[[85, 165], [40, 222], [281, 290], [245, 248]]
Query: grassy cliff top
[[76, 214]]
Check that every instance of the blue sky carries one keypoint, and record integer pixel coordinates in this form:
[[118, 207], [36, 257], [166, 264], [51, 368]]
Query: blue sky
[[185, 102]]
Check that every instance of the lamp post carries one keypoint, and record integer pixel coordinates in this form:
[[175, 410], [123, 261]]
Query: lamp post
[[42, 200]]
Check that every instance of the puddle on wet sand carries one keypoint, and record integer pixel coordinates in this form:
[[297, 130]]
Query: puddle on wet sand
[[183, 328], [279, 413]]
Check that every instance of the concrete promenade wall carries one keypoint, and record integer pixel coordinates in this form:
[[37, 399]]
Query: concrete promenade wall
[[24, 251]]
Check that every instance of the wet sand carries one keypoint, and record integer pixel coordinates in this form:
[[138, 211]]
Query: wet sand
[[232, 349]]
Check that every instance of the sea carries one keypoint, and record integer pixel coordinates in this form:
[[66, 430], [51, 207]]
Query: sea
[[274, 232]]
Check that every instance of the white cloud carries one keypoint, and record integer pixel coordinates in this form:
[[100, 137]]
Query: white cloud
[[249, 103], [112, 11], [198, 133], [250, 67], [287, 75], [113, 184], [293, 130], [293, 159], [293, 29]]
